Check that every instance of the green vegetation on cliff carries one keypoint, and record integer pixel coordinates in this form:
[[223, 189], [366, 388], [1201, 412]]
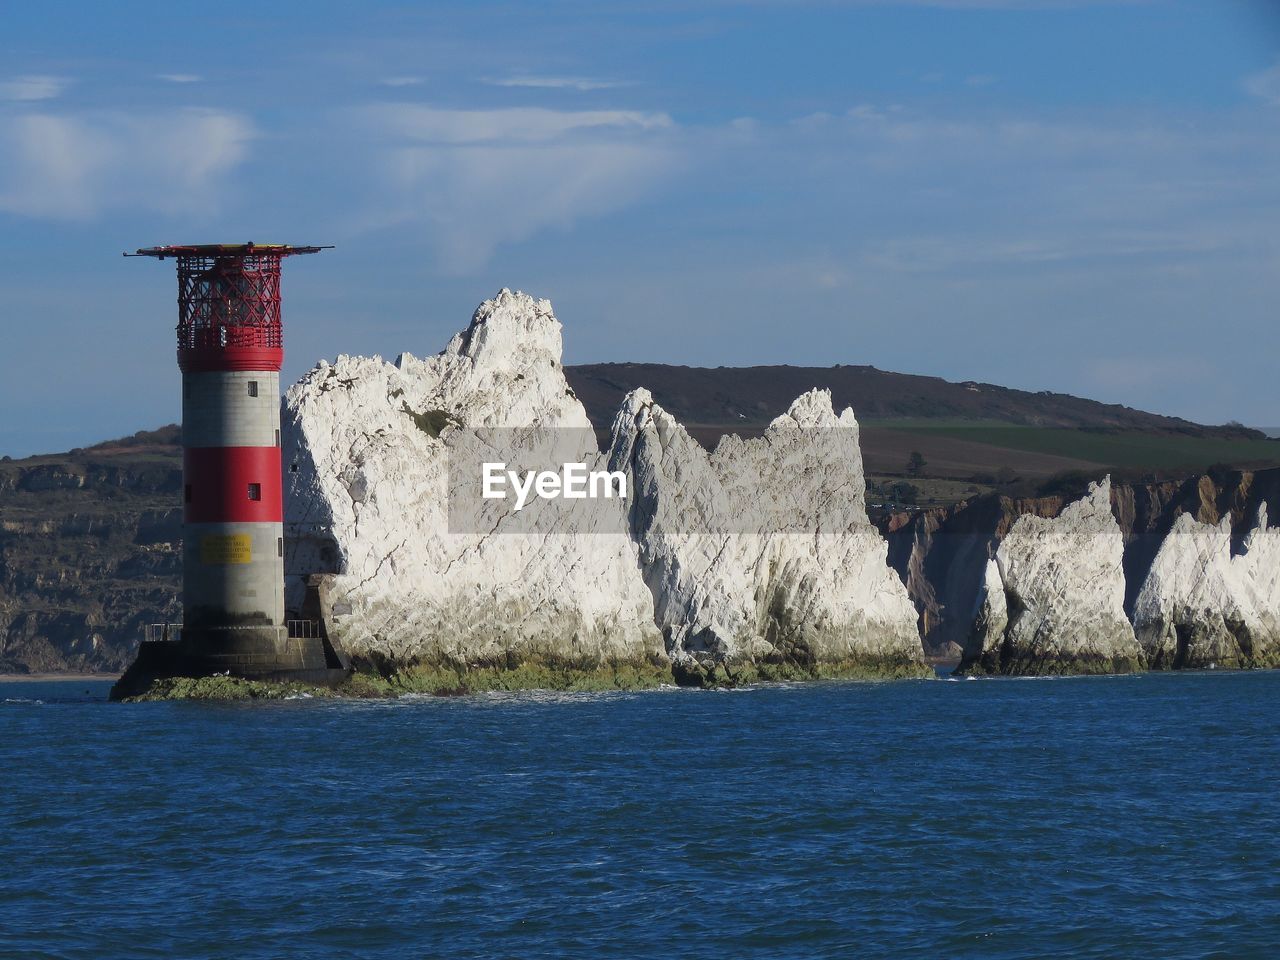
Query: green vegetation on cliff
[[447, 680], [223, 689], [452, 681], [440, 681]]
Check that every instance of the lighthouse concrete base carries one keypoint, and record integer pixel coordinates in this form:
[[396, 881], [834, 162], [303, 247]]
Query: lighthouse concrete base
[[248, 652]]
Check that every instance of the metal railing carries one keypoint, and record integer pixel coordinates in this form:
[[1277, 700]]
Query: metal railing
[[297, 630], [303, 629], [161, 631]]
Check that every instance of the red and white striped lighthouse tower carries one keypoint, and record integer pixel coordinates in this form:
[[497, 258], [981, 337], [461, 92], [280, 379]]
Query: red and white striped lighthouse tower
[[230, 350]]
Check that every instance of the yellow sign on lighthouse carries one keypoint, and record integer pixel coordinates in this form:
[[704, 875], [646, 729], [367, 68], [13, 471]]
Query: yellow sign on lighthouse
[[228, 548]]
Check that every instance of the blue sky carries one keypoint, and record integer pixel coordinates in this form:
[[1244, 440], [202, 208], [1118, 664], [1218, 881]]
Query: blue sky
[[1076, 196]]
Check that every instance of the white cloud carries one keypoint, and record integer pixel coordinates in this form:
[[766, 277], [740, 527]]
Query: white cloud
[[938, 192], [524, 124], [180, 77], [79, 166], [401, 81], [865, 111], [1265, 85], [553, 83], [475, 179], [29, 88], [952, 193]]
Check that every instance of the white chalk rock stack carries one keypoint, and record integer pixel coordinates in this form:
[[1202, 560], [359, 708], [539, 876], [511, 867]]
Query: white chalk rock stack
[[761, 551], [991, 621], [367, 447], [1260, 562], [1202, 606], [1053, 596]]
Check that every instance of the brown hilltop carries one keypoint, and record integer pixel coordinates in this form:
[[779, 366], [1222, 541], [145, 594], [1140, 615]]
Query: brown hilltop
[[975, 432], [755, 395]]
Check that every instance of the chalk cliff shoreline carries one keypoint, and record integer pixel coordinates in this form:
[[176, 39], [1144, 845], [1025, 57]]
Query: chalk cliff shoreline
[[1198, 576], [754, 560]]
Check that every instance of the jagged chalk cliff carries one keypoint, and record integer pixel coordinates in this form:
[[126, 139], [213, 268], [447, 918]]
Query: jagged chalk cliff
[[760, 553], [367, 447], [942, 554], [1052, 598], [1204, 605]]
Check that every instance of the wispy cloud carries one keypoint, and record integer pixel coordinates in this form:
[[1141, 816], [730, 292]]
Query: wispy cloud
[[475, 179], [527, 124], [180, 77], [1014, 190], [76, 167], [554, 83], [401, 81], [1265, 85], [33, 87]]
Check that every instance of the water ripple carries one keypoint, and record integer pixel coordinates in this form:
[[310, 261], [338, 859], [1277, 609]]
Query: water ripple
[[1090, 818]]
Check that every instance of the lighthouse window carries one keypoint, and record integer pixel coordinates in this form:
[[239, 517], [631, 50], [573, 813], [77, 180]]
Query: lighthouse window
[[279, 546], [253, 388], [255, 491]]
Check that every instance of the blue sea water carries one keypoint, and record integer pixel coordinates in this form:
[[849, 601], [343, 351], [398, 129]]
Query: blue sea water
[[1094, 817]]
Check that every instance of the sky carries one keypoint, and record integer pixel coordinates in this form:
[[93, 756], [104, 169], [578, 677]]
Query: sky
[[1069, 195]]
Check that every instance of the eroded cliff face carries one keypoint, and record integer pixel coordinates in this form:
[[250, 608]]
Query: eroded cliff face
[[90, 553], [942, 553], [946, 557], [1202, 604], [760, 553], [367, 447], [1052, 599]]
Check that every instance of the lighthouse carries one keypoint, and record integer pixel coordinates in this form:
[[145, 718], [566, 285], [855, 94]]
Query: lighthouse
[[230, 351]]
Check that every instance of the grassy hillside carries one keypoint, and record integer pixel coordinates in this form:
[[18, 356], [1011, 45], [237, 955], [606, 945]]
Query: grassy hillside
[[1156, 450], [975, 432], [755, 395]]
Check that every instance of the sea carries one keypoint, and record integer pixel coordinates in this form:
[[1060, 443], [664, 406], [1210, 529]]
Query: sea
[[1108, 817]]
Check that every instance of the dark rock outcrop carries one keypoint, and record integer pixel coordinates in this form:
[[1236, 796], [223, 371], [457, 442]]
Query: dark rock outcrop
[[90, 553]]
